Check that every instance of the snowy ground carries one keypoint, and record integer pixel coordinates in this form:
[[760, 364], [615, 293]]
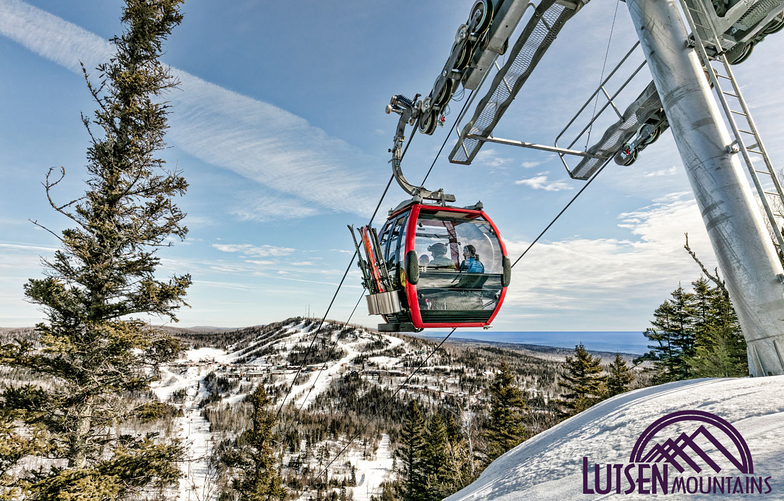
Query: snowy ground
[[188, 373], [193, 428], [549, 466], [370, 473]]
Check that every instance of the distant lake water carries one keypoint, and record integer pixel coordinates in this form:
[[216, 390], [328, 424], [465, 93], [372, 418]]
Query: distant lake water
[[612, 341]]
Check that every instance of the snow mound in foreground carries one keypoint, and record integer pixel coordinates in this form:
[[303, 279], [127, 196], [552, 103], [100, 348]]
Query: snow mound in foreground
[[550, 465]]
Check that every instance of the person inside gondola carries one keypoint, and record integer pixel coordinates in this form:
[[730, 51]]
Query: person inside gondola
[[424, 261], [440, 261], [471, 263]]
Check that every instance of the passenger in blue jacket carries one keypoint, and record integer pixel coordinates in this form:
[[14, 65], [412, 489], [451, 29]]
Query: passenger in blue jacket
[[471, 262]]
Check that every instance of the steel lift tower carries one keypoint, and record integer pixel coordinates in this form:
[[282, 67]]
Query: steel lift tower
[[737, 232], [712, 126]]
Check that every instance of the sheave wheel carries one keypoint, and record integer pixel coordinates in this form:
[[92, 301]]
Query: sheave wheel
[[445, 95], [483, 12], [428, 122], [464, 58], [774, 26], [654, 136], [745, 52]]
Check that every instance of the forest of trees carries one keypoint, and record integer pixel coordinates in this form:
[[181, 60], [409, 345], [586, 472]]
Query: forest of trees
[[696, 334], [439, 458]]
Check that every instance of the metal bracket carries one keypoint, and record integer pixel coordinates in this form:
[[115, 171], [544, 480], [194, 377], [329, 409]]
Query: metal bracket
[[543, 147], [409, 111]]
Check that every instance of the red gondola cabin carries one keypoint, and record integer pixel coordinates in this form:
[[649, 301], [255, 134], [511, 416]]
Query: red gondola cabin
[[435, 266]]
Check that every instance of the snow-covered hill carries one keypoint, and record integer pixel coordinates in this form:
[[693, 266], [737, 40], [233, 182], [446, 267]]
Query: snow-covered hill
[[550, 465], [210, 380], [264, 357]]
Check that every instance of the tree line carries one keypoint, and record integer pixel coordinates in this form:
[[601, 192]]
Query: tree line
[[696, 334]]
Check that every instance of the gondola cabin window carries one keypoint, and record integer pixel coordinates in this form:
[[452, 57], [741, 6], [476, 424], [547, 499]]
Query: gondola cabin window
[[449, 285]]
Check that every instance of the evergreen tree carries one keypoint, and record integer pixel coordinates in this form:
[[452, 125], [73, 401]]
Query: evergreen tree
[[720, 355], [435, 459], [583, 380], [453, 433], [413, 440], [619, 377], [91, 352], [673, 331], [505, 428], [702, 308], [720, 346], [697, 335], [251, 460], [457, 471]]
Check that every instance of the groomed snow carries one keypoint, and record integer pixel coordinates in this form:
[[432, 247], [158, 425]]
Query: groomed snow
[[371, 473], [194, 429], [549, 466]]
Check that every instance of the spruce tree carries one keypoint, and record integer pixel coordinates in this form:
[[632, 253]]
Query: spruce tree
[[619, 377], [505, 428], [720, 348], [93, 350], [674, 335], [697, 335], [251, 460], [435, 459], [413, 437], [583, 381], [702, 308]]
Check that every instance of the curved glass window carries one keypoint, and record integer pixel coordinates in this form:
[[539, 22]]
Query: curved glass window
[[460, 266], [392, 242]]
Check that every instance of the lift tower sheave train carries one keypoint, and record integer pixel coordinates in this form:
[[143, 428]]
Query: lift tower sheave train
[[693, 93]]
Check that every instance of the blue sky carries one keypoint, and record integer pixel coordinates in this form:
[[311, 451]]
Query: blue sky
[[279, 127]]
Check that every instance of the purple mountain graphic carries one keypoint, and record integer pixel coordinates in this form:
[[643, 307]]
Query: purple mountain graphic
[[675, 451]]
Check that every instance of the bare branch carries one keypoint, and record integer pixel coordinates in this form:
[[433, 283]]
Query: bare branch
[[47, 229], [713, 278], [48, 185]]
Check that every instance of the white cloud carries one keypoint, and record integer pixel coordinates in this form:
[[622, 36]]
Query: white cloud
[[606, 273], [51, 37], [662, 172], [254, 139], [540, 182], [530, 165], [269, 208], [26, 247], [253, 250], [490, 158]]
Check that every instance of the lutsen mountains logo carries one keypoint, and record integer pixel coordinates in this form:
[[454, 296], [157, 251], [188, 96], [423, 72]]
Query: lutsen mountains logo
[[687, 452]]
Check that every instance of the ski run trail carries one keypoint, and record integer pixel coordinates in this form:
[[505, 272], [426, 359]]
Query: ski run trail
[[194, 429]]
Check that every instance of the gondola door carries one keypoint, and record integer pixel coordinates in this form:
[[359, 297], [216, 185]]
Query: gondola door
[[461, 270]]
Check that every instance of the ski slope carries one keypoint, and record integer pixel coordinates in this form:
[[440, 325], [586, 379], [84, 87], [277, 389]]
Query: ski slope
[[549, 466], [187, 375]]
